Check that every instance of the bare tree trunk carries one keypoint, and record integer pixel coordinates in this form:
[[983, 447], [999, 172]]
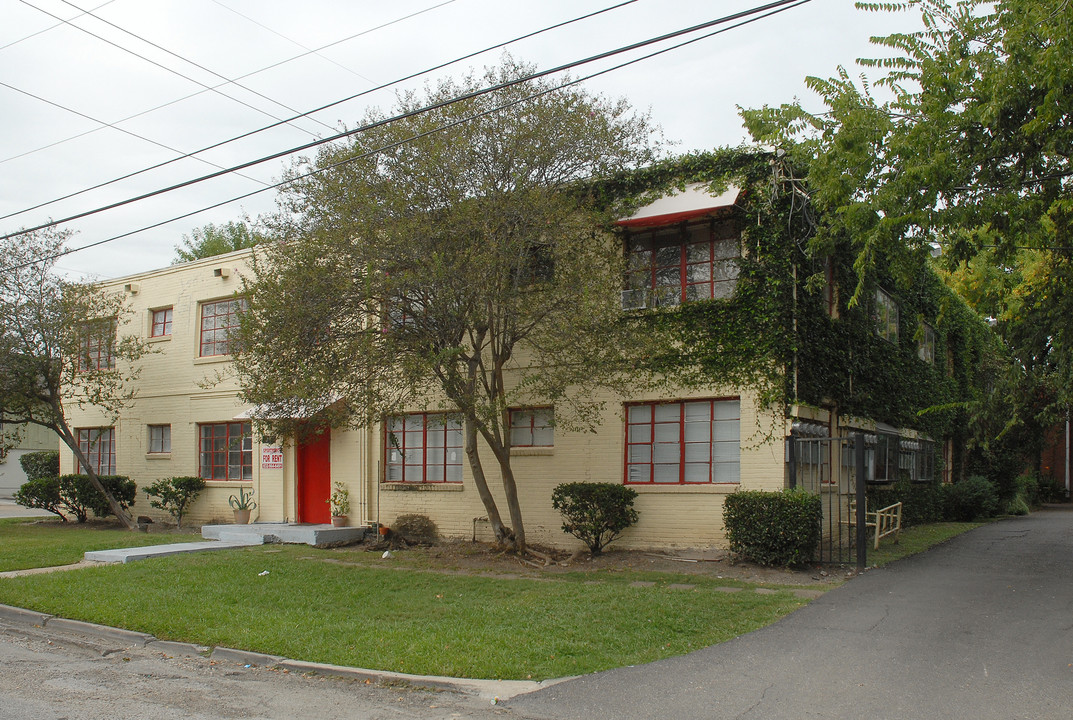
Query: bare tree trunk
[[514, 507], [502, 534]]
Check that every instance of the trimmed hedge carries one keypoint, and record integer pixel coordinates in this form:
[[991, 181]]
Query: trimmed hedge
[[595, 513], [80, 497], [922, 503], [42, 493], [773, 528], [175, 494], [971, 498]]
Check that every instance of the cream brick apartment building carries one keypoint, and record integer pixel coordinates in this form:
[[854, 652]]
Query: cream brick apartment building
[[683, 452]]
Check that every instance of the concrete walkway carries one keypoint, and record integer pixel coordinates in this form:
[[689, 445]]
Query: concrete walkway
[[978, 628]]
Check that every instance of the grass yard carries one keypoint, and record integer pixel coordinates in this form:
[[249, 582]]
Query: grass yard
[[26, 543], [313, 605], [917, 539]]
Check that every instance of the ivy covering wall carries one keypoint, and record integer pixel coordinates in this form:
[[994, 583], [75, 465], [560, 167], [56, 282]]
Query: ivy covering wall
[[777, 336]]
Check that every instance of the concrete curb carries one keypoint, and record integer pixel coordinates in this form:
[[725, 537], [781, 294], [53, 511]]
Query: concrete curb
[[131, 638], [23, 617], [495, 690]]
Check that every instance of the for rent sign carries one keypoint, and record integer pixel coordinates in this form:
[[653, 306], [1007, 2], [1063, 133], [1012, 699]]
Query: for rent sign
[[271, 457]]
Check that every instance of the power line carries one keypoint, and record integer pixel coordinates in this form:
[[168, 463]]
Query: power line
[[188, 60], [114, 127], [240, 77], [329, 105], [161, 65], [746, 17], [52, 27]]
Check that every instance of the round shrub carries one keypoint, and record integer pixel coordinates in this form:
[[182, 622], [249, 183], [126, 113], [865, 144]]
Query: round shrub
[[595, 513], [41, 464], [971, 498], [416, 527]]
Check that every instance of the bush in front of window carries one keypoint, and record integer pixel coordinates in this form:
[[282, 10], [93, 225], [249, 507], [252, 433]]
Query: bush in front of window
[[773, 528], [174, 495], [595, 513], [418, 528], [972, 498], [41, 464], [80, 497]]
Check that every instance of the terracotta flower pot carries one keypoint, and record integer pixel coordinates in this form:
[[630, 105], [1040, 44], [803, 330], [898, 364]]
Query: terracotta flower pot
[[242, 517], [384, 529], [339, 520]]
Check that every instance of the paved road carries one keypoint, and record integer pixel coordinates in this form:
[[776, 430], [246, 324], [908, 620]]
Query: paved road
[[978, 628]]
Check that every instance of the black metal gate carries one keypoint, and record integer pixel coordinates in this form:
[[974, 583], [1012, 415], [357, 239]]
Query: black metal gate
[[834, 469]]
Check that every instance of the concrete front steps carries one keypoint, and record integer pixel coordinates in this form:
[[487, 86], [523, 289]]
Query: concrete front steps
[[296, 534], [223, 537]]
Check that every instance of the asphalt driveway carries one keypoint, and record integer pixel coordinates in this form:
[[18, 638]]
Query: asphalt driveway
[[980, 627]]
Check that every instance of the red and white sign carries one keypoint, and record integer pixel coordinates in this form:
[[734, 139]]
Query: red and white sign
[[271, 457]]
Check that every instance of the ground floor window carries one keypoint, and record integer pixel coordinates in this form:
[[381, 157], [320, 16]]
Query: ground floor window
[[160, 438], [692, 442], [423, 448], [531, 427], [98, 445], [226, 451]]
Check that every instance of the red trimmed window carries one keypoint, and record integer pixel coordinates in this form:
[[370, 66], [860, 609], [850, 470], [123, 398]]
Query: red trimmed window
[[98, 341], [531, 427], [98, 445], [218, 320], [161, 323], [226, 451], [424, 448], [683, 443], [683, 263]]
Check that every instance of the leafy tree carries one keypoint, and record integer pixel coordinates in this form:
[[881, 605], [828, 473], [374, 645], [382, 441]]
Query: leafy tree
[[971, 154], [452, 259], [59, 347], [213, 240]]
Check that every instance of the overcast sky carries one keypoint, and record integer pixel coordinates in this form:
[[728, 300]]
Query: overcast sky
[[93, 90]]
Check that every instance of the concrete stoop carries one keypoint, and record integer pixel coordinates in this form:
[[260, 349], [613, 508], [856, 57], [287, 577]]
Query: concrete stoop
[[265, 533]]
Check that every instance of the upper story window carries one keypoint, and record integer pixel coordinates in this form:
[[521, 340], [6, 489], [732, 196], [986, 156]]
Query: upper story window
[[679, 443], [423, 448], [218, 320], [671, 265], [532, 427], [926, 344], [161, 326], [886, 316], [98, 445], [97, 346]]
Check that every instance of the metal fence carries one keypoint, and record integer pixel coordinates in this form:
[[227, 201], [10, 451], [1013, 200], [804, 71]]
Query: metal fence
[[835, 470]]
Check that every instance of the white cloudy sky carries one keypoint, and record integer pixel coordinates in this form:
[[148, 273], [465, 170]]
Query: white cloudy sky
[[91, 90]]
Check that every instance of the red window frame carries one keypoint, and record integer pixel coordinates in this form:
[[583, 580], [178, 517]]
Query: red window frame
[[218, 319], [684, 263], [225, 451], [423, 448], [97, 346], [98, 445], [161, 323], [676, 443], [524, 426]]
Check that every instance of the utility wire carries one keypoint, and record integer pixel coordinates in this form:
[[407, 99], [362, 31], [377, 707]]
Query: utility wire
[[745, 17], [161, 65], [191, 62], [114, 127], [468, 56], [295, 42], [240, 77], [52, 27], [412, 113]]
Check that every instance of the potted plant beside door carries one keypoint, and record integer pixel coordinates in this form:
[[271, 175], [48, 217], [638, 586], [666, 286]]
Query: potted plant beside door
[[242, 504], [340, 502]]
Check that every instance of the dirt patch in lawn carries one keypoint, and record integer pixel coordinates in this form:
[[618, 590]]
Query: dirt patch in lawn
[[483, 558]]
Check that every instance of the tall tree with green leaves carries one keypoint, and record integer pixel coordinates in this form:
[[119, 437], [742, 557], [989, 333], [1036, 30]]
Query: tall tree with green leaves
[[964, 144], [60, 347], [452, 260], [213, 240]]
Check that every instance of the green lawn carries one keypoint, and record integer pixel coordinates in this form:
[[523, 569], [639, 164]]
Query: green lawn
[[917, 539], [26, 543], [404, 620]]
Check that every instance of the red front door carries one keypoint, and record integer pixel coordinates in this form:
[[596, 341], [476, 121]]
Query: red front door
[[314, 478]]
